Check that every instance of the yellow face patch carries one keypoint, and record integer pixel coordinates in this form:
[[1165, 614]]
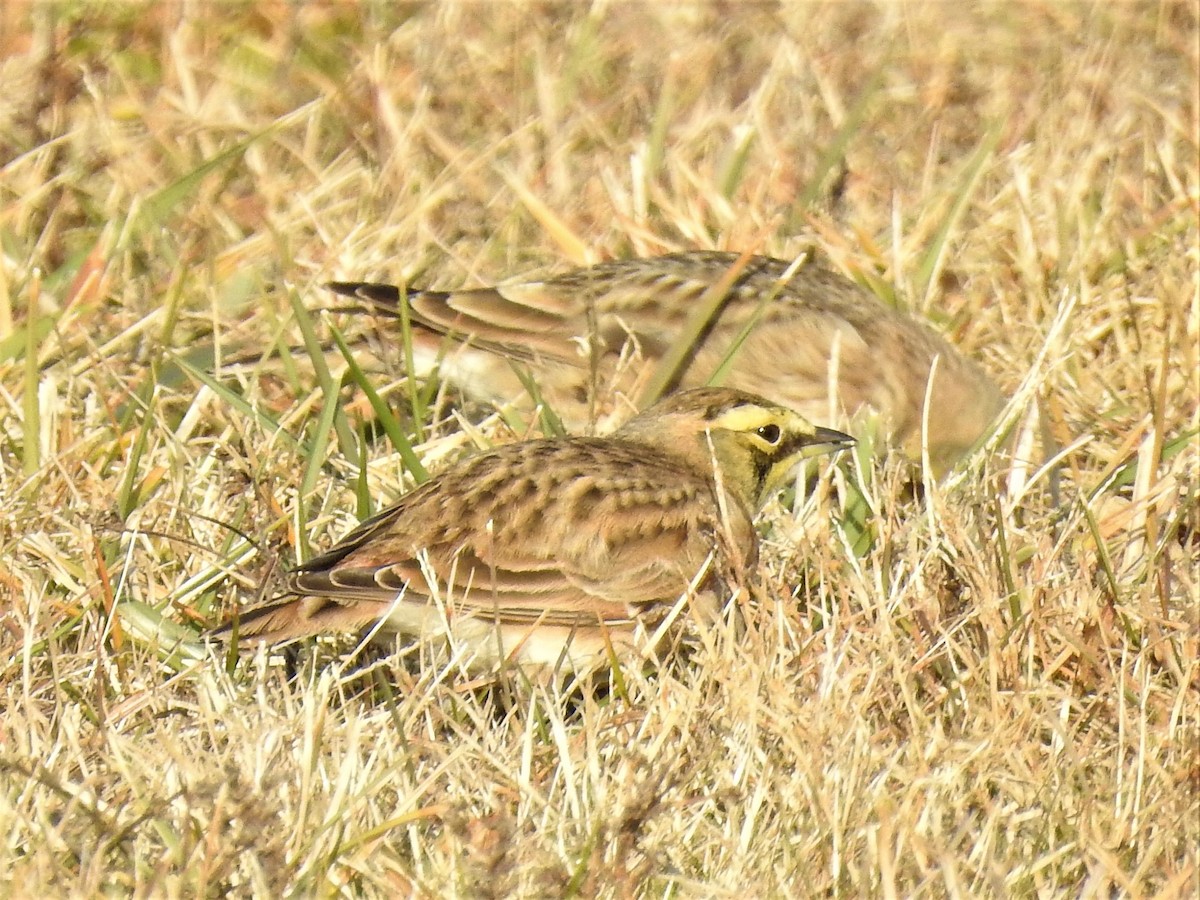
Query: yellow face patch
[[769, 427], [767, 442]]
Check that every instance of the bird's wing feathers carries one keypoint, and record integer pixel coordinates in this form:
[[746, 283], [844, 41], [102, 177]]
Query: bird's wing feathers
[[612, 303], [517, 588], [524, 322], [570, 563]]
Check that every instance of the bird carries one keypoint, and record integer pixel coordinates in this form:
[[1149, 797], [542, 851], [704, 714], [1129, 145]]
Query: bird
[[598, 333], [555, 553]]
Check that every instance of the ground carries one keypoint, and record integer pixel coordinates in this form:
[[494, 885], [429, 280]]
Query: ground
[[979, 689]]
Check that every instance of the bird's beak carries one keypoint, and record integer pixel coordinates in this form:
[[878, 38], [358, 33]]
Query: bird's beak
[[825, 440]]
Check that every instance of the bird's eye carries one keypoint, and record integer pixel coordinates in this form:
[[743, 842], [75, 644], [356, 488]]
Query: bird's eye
[[769, 433]]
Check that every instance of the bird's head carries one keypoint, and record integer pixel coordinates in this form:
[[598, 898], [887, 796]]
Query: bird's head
[[755, 444]]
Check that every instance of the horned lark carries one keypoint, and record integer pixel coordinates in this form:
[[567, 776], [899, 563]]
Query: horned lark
[[815, 342], [557, 551]]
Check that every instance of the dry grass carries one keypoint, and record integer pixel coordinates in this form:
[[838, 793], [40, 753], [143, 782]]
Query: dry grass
[[993, 697]]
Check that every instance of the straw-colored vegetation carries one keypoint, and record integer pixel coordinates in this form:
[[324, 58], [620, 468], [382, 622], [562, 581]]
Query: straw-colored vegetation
[[971, 692]]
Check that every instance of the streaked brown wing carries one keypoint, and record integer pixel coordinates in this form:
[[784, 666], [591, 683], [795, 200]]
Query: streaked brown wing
[[518, 321], [514, 587], [646, 300]]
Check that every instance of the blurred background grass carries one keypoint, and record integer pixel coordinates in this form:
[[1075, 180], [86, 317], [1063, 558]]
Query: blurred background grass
[[995, 698]]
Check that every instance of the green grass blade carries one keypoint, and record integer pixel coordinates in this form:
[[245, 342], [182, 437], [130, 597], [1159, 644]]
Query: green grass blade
[[550, 422], [387, 419], [154, 211], [1126, 473], [362, 484], [31, 425], [1102, 554], [931, 262], [171, 308], [707, 307], [127, 493], [415, 401], [330, 409], [720, 373], [329, 388], [656, 145], [1006, 563], [735, 166], [19, 341], [242, 405], [835, 153]]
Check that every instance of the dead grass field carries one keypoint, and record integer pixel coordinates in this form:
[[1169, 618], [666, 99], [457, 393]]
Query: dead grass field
[[991, 696]]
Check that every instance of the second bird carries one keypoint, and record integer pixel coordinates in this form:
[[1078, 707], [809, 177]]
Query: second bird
[[593, 337]]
